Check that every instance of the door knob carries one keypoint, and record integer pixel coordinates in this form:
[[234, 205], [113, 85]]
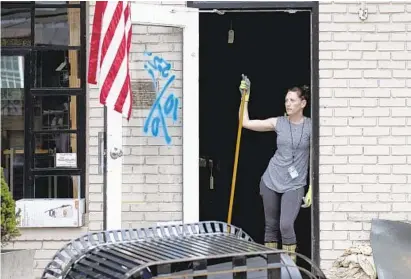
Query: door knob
[[116, 153]]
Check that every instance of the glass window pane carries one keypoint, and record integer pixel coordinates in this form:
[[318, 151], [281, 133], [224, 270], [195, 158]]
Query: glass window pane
[[56, 186], [57, 68], [55, 150], [15, 26], [54, 112], [57, 26], [12, 122]]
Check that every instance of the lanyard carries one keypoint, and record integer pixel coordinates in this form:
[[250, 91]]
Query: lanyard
[[292, 139]]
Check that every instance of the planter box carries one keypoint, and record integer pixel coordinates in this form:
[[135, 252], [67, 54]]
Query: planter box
[[17, 264]]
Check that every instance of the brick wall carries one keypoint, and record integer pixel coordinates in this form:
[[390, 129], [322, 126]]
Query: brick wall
[[152, 169], [95, 124], [365, 118]]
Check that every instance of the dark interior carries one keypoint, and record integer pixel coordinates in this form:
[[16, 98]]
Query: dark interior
[[273, 50]]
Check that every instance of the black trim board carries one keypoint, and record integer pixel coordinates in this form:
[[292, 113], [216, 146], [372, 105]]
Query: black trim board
[[313, 7]]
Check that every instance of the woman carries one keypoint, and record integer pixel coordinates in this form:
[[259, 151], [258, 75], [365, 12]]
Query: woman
[[282, 184]]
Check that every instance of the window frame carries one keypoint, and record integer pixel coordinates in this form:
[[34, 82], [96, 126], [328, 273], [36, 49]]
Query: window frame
[[29, 52]]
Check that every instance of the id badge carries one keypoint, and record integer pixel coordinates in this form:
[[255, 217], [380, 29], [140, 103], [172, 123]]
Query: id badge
[[293, 172]]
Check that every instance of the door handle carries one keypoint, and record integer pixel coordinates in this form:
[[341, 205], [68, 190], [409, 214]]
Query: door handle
[[101, 152], [116, 153]]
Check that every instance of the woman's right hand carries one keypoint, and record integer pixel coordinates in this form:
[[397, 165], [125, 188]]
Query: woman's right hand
[[245, 87]]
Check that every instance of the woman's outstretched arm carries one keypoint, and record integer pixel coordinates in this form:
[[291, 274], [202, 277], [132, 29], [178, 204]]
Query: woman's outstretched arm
[[264, 125]]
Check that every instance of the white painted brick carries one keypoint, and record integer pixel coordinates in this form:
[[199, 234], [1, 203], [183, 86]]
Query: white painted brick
[[376, 150], [348, 131], [362, 160], [348, 150], [381, 188], [334, 160], [333, 46], [375, 37], [390, 83], [357, 121], [363, 140], [392, 179], [392, 197], [348, 111], [387, 121], [376, 55], [347, 188], [380, 131], [389, 28], [355, 83], [326, 64], [403, 189], [362, 216], [401, 55], [328, 7], [400, 18], [377, 74], [391, 64], [384, 169], [347, 226], [362, 178], [362, 197], [333, 235], [400, 150], [360, 235], [347, 169], [401, 131], [402, 37], [403, 207], [383, 8], [401, 169], [344, 55], [363, 46], [377, 112]]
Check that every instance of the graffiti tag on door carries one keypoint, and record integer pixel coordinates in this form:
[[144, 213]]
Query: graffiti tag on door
[[163, 106]]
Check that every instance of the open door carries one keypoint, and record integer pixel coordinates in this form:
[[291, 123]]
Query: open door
[[164, 122]]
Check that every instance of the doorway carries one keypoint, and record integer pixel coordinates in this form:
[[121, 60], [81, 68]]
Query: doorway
[[274, 50]]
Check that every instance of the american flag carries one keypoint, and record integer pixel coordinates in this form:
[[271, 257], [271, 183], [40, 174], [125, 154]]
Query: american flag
[[109, 55]]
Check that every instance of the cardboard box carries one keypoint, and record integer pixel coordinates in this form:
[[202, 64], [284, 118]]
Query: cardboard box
[[32, 213]]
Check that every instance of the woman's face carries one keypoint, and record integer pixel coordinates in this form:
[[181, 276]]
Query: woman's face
[[293, 103]]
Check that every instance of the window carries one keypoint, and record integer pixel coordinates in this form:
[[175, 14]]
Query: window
[[43, 94]]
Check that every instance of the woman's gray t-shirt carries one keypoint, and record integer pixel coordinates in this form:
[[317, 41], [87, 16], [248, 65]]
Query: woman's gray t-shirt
[[293, 140]]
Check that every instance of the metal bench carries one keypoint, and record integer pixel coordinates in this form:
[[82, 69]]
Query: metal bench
[[204, 249]]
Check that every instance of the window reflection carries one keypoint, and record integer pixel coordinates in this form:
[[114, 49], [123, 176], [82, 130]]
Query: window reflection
[[57, 26], [15, 26], [12, 122], [57, 68]]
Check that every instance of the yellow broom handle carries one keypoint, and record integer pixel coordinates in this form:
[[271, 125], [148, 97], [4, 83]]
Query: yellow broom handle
[[237, 151]]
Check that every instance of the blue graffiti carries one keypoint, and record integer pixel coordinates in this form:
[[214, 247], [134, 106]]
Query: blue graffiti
[[170, 106]]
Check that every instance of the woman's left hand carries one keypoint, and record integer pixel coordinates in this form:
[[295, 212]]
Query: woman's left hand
[[307, 198]]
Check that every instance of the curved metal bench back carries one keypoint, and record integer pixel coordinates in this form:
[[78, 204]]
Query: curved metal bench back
[[75, 249]]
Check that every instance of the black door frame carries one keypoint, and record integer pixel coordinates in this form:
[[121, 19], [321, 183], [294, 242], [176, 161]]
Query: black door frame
[[311, 6]]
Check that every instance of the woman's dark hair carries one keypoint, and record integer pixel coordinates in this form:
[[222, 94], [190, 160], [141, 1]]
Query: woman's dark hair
[[302, 91]]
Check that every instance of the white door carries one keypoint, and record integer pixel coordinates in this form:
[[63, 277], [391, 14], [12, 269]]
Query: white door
[[159, 146]]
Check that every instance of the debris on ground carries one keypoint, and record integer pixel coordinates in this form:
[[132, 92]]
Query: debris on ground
[[355, 263]]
